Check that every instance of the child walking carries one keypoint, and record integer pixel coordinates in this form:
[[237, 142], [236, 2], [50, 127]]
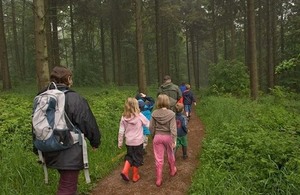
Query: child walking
[[163, 127], [188, 100], [146, 104], [182, 130], [131, 128]]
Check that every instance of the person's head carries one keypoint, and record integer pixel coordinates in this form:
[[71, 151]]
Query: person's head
[[188, 86], [131, 107], [61, 75], [162, 101], [179, 107], [167, 79]]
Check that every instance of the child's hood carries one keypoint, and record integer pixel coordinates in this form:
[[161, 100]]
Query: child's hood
[[134, 119]]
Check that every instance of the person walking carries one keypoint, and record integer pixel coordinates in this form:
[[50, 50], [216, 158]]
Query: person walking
[[182, 130], [171, 90], [69, 162], [146, 104], [131, 128], [163, 128], [188, 100]]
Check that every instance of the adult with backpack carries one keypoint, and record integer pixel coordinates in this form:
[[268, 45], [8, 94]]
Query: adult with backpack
[[171, 90], [66, 118]]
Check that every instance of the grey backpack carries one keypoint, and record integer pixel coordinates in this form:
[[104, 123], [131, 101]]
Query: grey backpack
[[49, 121]]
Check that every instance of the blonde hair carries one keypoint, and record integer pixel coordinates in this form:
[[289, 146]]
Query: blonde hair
[[131, 107], [179, 107], [163, 101], [188, 86]]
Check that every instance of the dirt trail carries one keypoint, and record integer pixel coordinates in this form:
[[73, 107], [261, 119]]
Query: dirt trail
[[114, 185]]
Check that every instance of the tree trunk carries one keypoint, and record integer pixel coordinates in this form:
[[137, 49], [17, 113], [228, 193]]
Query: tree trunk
[[188, 55], [252, 64], [41, 63], [158, 41], [16, 45], [214, 33], [3, 54], [72, 35], [23, 69], [140, 48], [270, 58], [103, 51], [55, 43]]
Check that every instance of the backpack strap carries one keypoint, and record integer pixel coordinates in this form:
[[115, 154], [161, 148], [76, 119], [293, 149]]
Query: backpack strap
[[41, 158], [85, 160]]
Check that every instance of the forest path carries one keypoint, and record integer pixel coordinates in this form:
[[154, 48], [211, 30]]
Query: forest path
[[179, 184]]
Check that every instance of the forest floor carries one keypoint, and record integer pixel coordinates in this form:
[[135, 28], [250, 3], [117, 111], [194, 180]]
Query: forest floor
[[113, 184]]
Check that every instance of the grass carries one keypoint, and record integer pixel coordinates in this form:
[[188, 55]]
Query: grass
[[250, 147]]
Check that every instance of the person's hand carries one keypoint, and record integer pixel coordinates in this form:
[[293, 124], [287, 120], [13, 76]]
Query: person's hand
[[120, 147], [143, 95]]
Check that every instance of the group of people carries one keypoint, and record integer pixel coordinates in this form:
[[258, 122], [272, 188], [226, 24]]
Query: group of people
[[167, 124]]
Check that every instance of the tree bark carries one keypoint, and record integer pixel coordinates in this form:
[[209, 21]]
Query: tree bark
[[72, 35], [140, 48], [3, 54], [158, 42], [252, 63], [41, 63], [16, 45]]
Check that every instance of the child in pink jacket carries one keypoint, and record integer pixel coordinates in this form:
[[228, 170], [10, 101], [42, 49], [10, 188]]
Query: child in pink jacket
[[131, 128]]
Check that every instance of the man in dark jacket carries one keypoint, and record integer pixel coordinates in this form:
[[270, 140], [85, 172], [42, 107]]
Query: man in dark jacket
[[171, 90], [69, 162]]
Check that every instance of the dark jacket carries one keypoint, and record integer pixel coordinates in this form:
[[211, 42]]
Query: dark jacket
[[80, 114], [172, 91], [181, 123], [188, 97]]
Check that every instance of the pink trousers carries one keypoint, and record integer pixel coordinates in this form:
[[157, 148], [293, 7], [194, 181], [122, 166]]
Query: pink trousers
[[67, 182], [162, 143]]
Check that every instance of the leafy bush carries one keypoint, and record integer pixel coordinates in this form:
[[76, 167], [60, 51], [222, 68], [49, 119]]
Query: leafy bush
[[229, 77], [249, 148]]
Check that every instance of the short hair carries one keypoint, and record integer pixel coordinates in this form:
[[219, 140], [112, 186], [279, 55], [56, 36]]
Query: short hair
[[188, 86], [60, 75], [167, 77], [179, 107], [163, 101]]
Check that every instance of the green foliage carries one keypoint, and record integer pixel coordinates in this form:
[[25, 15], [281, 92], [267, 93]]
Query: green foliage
[[289, 73], [229, 77], [249, 148], [21, 174]]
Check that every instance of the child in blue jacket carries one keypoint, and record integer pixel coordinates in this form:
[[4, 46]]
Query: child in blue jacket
[[182, 130], [146, 104]]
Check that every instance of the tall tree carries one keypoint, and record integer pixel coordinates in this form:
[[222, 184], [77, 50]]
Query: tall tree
[[41, 62], [252, 49], [16, 44], [72, 35], [158, 41], [3, 54], [140, 48]]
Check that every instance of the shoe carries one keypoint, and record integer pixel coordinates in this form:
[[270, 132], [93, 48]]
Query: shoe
[[136, 175], [174, 173], [158, 183], [125, 171]]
